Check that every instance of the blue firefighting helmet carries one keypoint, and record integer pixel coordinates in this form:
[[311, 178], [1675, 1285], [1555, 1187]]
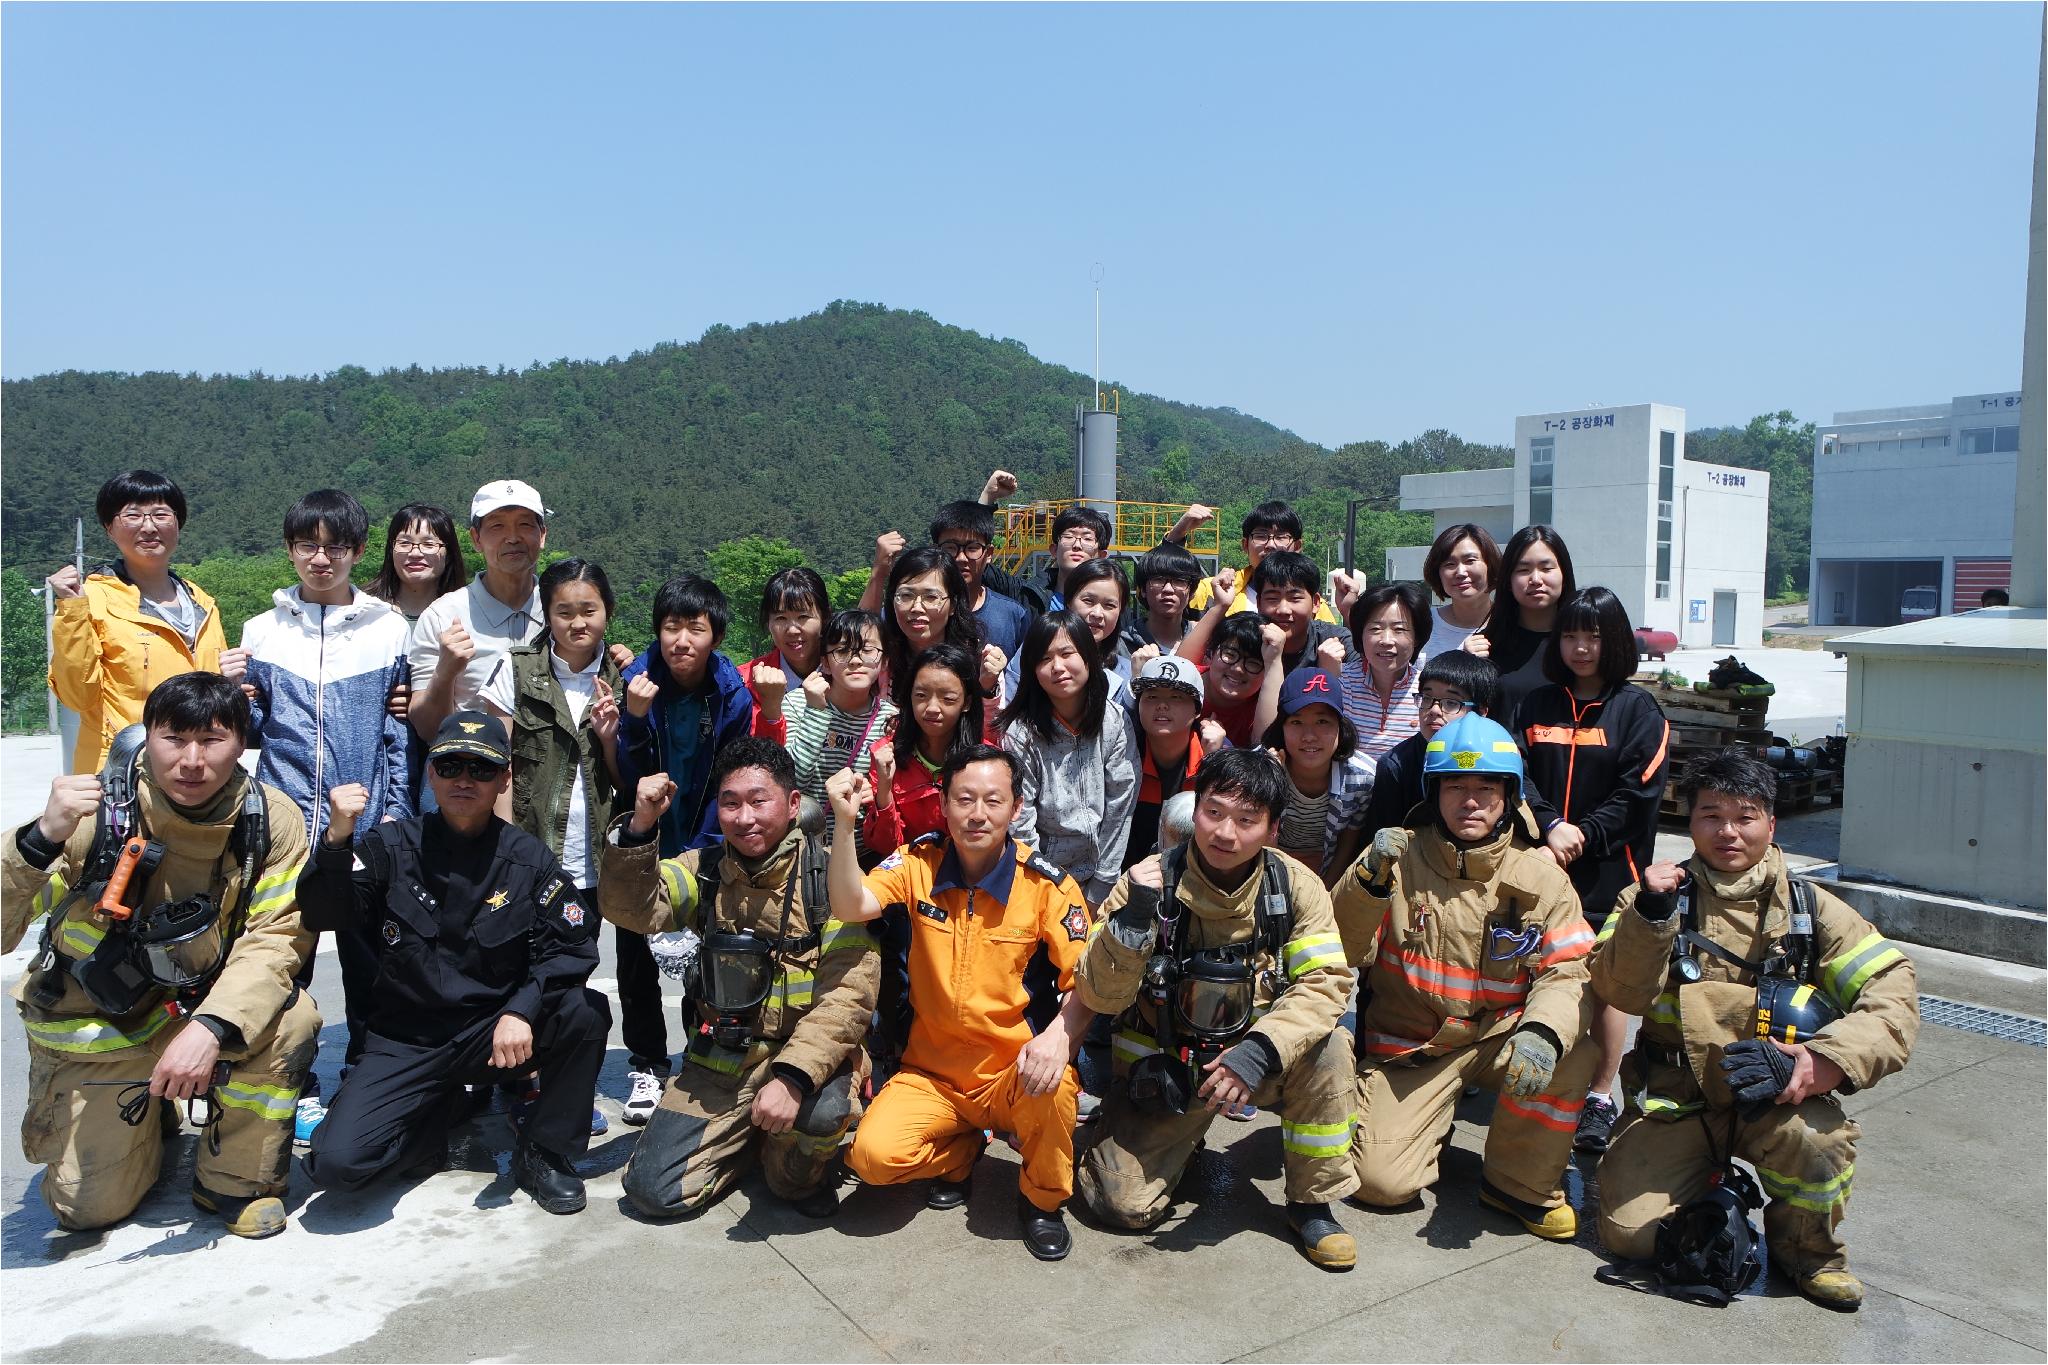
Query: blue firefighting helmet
[[1473, 744]]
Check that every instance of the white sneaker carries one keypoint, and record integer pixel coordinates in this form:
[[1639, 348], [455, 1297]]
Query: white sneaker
[[644, 1097], [307, 1115]]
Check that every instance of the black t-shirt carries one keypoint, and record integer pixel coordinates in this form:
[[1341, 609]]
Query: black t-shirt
[[1519, 657]]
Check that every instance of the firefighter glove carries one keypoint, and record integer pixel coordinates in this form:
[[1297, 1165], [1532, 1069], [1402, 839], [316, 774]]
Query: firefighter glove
[[1387, 847], [1757, 1074], [1532, 1060]]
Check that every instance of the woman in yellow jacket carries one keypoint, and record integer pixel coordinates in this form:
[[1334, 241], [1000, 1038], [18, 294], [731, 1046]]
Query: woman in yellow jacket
[[119, 633]]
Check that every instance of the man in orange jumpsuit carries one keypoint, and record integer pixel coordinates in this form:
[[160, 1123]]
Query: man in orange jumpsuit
[[980, 905]]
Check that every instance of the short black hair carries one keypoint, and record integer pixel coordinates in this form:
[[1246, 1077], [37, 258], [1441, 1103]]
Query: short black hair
[[977, 519], [792, 589], [1031, 705], [1252, 774], [1374, 600], [564, 571], [1271, 516], [845, 628], [751, 751], [1347, 734], [329, 510], [981, 753], [1477, 678], [1287, 569], [1734, 771], [687, 595], [1075, 517], [138, 485], [1599, 611], [1240, 632], [1447, 541], [1995, 597], [197, 702], [1169, 562]]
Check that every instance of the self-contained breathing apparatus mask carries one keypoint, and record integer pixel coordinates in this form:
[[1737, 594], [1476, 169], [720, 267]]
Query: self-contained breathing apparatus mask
[[174, 947], [1707, 1250], [1201, 1001], [735, 971]]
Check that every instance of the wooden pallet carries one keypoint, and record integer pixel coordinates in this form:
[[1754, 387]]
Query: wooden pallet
[[1796, 792]]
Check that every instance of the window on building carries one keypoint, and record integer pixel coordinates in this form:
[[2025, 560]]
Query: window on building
[[2008, 439], [1542, 465], [1990, 440], [1667, 477]]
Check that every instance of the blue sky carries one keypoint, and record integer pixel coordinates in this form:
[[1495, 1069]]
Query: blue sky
[[1352, 221]]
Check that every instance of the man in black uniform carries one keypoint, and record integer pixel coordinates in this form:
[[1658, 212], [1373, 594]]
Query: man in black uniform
[[480, 978]]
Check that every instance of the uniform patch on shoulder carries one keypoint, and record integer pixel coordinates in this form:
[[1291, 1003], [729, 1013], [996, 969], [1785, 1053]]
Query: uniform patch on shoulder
[[890, 863], [391, 932], [572, 915], [555, 887], [1045, 867], [930, 837], [1075, 923]]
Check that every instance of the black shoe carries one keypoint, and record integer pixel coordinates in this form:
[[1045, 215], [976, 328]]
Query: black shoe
[[948, 1194], [821, 1203], [1596, 1124], [1045, 1234], [549, 1178]]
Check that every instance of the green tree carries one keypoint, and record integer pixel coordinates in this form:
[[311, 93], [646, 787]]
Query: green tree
[[24, 655], [1781, 445], [742, 568]]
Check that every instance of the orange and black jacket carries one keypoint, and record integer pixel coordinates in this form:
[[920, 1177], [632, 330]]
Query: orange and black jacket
[[1600, 765]]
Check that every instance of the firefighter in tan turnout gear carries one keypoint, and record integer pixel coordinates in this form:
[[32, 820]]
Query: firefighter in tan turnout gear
[[1760, 999], [782, 994], [166, 967], [1477, 952], [1223, 960]]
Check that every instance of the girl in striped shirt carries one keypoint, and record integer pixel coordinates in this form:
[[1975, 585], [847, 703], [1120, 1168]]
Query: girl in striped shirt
[[845, 717]]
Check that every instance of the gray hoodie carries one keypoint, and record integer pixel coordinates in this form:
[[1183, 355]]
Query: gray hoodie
[[1078, 795]]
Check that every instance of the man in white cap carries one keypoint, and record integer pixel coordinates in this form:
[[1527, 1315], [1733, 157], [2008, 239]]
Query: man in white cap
[[463, 635]]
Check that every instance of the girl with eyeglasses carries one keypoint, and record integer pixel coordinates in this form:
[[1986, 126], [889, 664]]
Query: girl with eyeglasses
[[1450, 684], [845, 716], [422, 559]]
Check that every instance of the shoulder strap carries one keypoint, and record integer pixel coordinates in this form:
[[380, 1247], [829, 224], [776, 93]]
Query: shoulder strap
[[1804, 936], [1276, 906], [709, 860], [811, 866]]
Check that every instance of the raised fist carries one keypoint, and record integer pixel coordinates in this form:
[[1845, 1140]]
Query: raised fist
[[770, 685], [1272, 642], [849, 793], [640, 695], [72, 798], [650, 802], [456, 644], [888, 545], [1330, 654], [1001, 484], [234, 663], [66, 582], [345, 806]]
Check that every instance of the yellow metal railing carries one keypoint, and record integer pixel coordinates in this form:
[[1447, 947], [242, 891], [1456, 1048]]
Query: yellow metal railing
[[1025, 529]]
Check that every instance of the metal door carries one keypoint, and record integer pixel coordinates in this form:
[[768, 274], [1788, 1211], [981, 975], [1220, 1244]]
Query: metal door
[[1724, 619]]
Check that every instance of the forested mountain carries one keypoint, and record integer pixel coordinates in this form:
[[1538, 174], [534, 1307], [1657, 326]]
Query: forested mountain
[[820, 430]]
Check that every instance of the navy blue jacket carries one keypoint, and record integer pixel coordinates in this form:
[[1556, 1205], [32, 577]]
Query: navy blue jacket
[[692, 817]]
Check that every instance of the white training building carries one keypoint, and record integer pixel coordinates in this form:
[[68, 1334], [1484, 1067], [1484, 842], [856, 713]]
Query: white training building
[[1681, 543], [1912, 509]]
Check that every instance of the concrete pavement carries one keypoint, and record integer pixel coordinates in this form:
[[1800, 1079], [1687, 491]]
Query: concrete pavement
[[1945, 1228]]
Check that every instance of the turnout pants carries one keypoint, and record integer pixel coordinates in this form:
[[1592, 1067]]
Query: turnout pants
[[1128, 1176], [97, 1168], [702, 1138], [1405, 1114], [920, 1127], [392, 1108], [1804, 1155]]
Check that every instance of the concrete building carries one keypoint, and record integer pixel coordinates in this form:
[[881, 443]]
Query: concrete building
[[1680, 542], [1912, 509]]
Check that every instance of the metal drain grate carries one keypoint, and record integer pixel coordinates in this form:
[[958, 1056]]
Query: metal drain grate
[[2014, 1028]]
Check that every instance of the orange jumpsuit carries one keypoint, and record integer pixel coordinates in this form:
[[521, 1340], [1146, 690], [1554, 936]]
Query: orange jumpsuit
[[969, 945]]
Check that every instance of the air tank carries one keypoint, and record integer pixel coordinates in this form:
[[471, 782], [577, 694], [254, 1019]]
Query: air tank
[[1096, 484]]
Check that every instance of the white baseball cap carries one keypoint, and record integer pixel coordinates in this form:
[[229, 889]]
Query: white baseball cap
[[1170, 670], [505, 493]]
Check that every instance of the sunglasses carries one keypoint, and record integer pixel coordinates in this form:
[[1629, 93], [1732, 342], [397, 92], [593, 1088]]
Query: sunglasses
[[453, 766]]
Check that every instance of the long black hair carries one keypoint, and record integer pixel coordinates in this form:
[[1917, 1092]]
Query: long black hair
[[961, 627], [962, 665], [454, 573], [1032, 705], [1507, 612]]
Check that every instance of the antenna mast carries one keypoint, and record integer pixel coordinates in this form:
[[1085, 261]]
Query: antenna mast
[[1096, 276]]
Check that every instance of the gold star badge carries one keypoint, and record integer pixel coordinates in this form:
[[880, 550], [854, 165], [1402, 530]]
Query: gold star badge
[[496, 900], [470, 727]]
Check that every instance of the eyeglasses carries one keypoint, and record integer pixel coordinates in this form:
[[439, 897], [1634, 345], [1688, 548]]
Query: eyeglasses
[[910, 597], [1230, 658], [162, 516], [1450, 706], [965, 549], [1078, 538], [872, 654], [307, 549], [449, 767], [406, 547], [1271, 537]]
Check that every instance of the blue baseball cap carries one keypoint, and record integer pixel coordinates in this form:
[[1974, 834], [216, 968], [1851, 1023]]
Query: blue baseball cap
[[1306, 687]]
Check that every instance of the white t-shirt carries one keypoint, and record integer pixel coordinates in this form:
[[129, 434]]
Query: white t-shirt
[[494, 628], [1446, 635], [579, 857]]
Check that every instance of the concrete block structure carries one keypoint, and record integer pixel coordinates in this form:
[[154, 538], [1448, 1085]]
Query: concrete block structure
[[1680, 542], [1912, 509]]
